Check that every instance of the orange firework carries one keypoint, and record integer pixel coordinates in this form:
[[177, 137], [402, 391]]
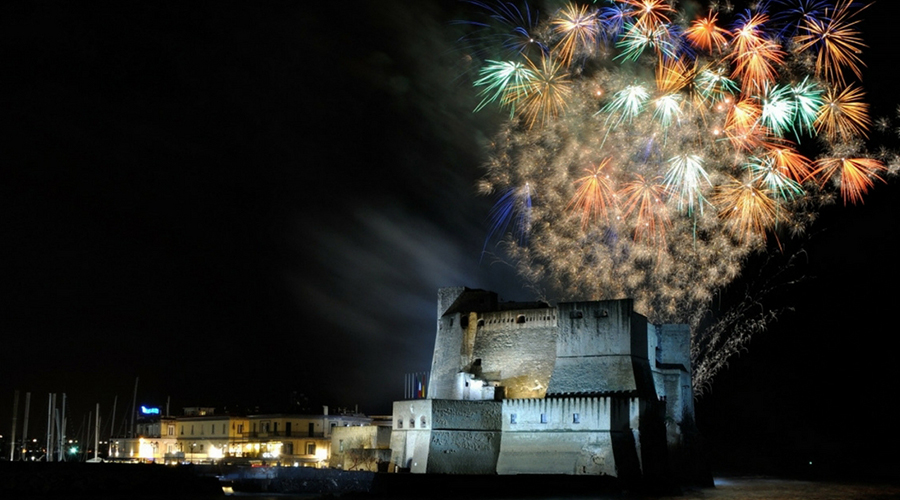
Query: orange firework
[[742, 124], [594, 194], [649, 13], [578, 28], [838, 43], [672, 75], [545, 95], [756, 65], [705, 34], [843, 114], [647, 196], [749, 34], [747, 209], [789, 162], [857, 175]]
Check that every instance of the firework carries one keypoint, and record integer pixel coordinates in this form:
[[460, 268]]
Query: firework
[[504, 82], [748, 210], [645, 199], [594, 195], [706, 35], [544, 95], [855, 175], [836, 40], [660, 152], [843, 114], [578, 29]]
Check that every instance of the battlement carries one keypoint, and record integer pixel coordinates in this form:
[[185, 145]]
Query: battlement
[[527, 318]]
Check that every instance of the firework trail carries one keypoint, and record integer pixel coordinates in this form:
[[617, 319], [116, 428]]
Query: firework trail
[[657, 152]]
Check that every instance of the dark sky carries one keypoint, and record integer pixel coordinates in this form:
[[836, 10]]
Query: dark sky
[[236, 203]]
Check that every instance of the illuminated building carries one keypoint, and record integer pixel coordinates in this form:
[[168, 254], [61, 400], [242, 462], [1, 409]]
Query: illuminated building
[[154, 440], [366, 447], [528, 388], [297, 440], [209, 437]]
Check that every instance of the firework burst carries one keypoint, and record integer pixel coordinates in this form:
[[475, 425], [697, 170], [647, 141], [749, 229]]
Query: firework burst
[[667, 155]]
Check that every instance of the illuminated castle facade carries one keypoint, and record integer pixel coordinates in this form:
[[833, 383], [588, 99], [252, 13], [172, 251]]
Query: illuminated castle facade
[[529, 388]]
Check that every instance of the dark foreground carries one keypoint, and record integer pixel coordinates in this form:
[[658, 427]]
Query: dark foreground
[[157, 482], [61, 479]]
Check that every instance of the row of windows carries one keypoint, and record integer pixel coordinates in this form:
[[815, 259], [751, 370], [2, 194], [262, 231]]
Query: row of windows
[[514, 419], [212, 429], [520, 319], [412, 422]]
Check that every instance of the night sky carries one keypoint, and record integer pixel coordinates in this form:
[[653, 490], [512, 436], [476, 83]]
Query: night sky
[[236, 204]]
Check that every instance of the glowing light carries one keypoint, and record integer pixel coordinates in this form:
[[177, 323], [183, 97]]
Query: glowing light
[[145, 449]]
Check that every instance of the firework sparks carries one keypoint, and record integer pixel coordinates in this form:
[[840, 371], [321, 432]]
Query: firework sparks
[[837, 41], [578, 29], [544, 96], [706, 35], [504, 82], [594, 195], [843, 114], [855, 175], [644, 198], [748, 210], [697, 160]]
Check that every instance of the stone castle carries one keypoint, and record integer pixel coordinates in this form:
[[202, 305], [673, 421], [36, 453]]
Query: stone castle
[[528, 388]]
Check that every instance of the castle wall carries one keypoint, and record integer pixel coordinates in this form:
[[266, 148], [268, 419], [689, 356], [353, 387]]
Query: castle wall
[[601, 348], [517, 349], [446, 436], [566, 436]]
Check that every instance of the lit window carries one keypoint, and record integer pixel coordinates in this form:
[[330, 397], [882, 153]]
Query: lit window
[[310, 448], [341, 445]]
